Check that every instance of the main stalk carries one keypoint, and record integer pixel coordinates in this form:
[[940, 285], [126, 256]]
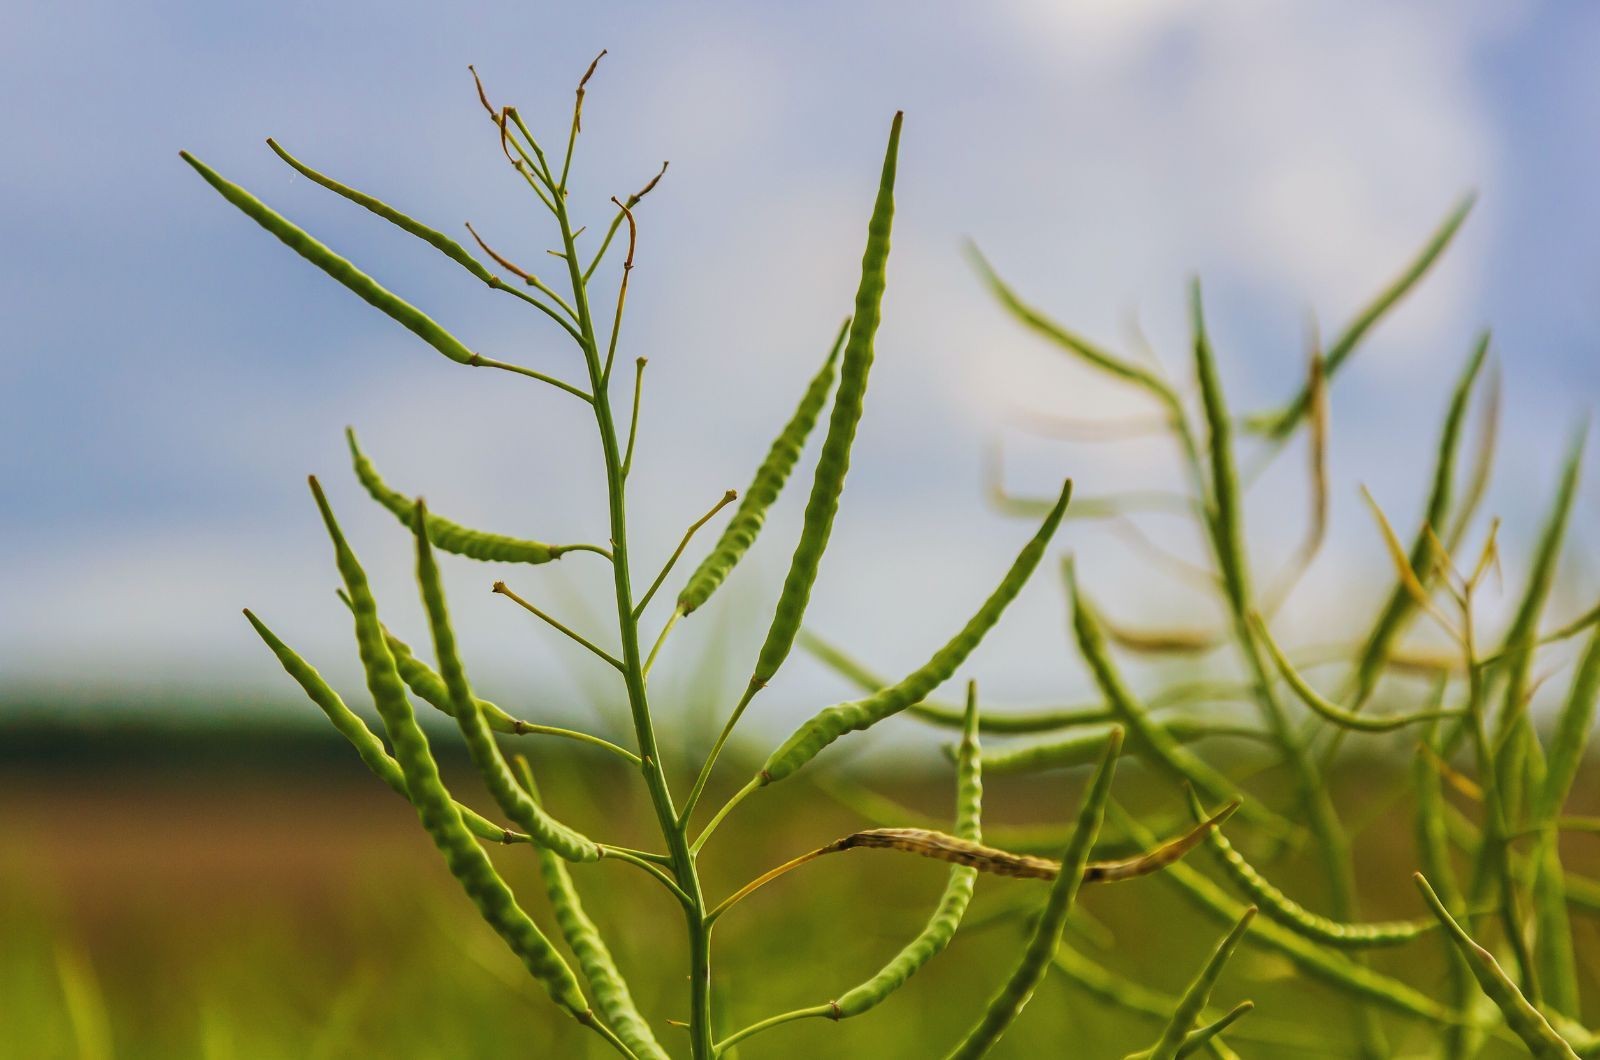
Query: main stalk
[[674, 833]]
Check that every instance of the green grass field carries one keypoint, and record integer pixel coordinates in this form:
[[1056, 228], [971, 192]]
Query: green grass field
[[220, 900]]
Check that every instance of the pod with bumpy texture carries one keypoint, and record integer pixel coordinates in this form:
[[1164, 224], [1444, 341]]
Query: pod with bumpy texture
[[941, 927], [1298, 918], [492, 766], [1005, 1006], [452, 537], [741, 531], [430, 688], [832, 723], [362, 285], [467, 861], [352, 728], [611, 994], [833, 463]]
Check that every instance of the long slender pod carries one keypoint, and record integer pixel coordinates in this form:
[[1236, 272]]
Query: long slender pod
[[352, 728], [1163, 751], [1225, 520], [1527, 1022], [1400, 604], [1081, 348], [1132, 996], [833, 463], [1571, 737], [430, 688], [467, 861], [438, 240], [1512, 762], [1170, 1045], [1008, 1003], [1277, 425], [612, 997], [948, 714], [1513, 732], [1081, 748], [827, 726], [1343, 717], [941, 846], [1316, 960], [941, 926], [1298, 918], [1433, 854], [492, 765], [447, 535], [741, 531], [362, 285], [1553, 952]]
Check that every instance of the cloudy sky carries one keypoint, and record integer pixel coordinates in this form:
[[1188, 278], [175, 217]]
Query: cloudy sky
[[168, 374]]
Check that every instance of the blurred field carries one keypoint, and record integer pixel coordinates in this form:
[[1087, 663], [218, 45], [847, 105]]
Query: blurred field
[[256, 894]]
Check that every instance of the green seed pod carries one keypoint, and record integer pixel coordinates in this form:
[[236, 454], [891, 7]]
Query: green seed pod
[[741, 531], [1169, 1046], [352, 728], [467, 861], [1315, 960], [438, 240], [1571, 735], [1433, 854], [832, 723], [1521, 638], [492, 766], [1293, 915], [444, 534], [430, 687], [833, 463], [1401, 604], [1035, 321], [1208, 1035], [1081, 748], [1278, 425], [1327, 709], [1553, 952], [364, 286], [949, 715], [941, 927], [1223, 513], [1153, 741], [611, 994], [1117, 989], [1008, 1003], [1527, 1022]]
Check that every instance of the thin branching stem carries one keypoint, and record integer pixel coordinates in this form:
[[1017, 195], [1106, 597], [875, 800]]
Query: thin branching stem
[[688, 535], [661, 638], [517, 369], [633, 419], [503, 590], [532, 281], [622, 291], [616, 222]]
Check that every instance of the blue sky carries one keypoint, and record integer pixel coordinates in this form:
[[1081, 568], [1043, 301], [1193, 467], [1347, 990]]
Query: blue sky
[[168, 374]]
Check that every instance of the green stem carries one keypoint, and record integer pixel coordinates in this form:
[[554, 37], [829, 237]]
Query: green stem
[[683, 861], [826, 1011]]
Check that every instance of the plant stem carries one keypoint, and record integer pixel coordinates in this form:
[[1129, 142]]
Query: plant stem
[[683, 861]]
